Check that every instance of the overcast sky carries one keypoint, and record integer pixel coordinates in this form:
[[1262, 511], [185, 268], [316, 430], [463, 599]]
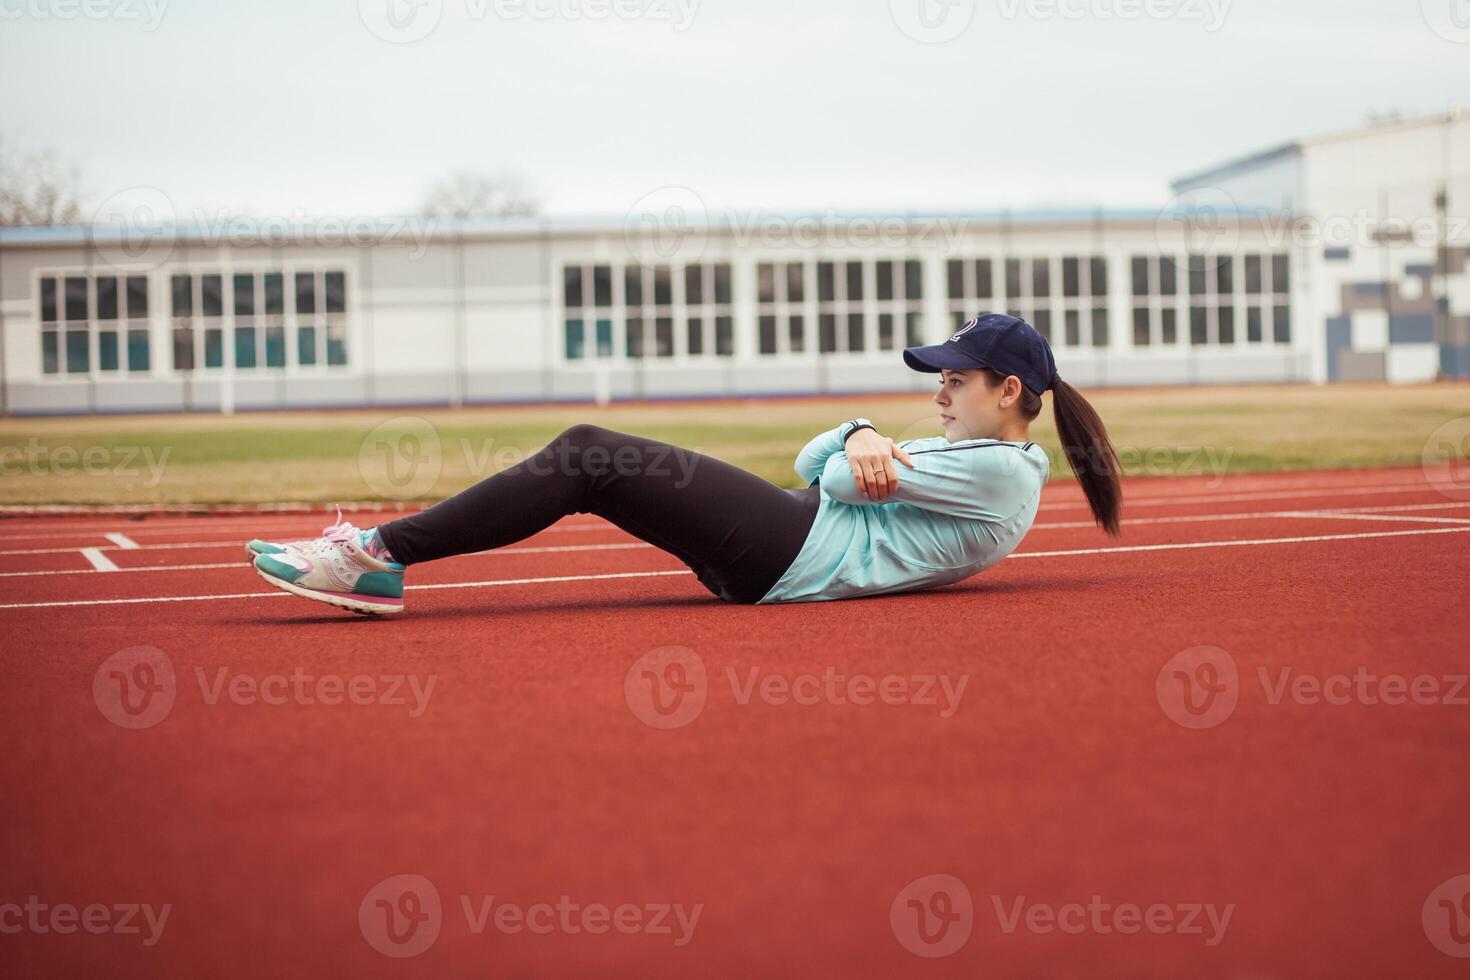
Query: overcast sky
[[278, 107]]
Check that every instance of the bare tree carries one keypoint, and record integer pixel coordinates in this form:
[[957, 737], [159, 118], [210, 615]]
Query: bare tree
[[37, 188], [465, 194]]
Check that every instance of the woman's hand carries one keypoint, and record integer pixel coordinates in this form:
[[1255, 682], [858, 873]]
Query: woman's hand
[[871, 457]]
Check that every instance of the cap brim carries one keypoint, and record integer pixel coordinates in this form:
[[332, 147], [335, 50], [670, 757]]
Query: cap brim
[[939, 357]]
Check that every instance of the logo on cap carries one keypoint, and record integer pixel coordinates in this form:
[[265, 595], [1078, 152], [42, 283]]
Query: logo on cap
[[971, 325]]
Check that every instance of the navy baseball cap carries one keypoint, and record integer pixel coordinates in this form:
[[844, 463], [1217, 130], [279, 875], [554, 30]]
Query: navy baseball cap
[[1008, 344]]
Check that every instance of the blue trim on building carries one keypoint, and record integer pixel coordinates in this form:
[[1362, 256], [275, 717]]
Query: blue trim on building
[[1236, 167], [1339, 338], [1416, 328], [1454, 361]]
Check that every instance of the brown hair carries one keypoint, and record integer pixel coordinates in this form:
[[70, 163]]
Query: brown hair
[[1086, 443]]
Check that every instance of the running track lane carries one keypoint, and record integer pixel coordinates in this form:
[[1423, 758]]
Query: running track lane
[[528, 777]]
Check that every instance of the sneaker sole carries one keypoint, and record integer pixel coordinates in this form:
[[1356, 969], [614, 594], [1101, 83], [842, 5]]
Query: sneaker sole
[[353, 602]]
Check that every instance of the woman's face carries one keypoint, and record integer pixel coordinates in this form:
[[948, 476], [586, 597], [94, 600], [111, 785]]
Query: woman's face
[[971, 409]]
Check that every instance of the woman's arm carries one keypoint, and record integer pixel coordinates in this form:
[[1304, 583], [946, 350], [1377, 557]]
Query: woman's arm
[[982, 479], [814, 454]]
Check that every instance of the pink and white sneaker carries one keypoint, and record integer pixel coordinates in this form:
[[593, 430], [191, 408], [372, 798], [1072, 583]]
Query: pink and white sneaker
[[338, 568]]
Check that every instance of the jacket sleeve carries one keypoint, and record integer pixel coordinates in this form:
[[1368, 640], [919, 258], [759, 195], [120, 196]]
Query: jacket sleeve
[[814, 454], [978, 479]]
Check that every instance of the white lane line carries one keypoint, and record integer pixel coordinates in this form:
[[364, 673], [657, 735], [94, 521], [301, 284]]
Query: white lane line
[[1220, 498], [239, 542], [122, 541], [251, 529], [243, 563], [1380, 517], [535, 581], [616, 575], [1243, 542], [272, 595], [145, 568], [100, 562], [1250, 515]]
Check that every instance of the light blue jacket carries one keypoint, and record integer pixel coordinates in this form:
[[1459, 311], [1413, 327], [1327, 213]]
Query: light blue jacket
[[963, 507]]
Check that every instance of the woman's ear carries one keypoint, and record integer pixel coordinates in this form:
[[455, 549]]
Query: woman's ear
[[1010, 392]]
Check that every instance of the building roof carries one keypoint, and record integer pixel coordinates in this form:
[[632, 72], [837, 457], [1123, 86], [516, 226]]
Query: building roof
[[247, 231], [1253, 161]]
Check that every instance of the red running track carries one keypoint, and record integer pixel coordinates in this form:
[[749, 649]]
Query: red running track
[[1105, 797]]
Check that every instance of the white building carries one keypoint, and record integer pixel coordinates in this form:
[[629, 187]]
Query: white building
[[1336, 258]]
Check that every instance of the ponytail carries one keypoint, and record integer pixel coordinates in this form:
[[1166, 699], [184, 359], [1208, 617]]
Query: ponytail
[[1090, 452]]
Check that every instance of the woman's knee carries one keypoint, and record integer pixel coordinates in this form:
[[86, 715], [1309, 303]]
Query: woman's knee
[[584, 434]]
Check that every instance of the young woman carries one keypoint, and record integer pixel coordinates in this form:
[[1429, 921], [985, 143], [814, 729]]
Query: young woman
[[875, 516]]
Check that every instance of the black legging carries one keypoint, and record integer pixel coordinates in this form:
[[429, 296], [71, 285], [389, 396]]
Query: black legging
[[738, 532]]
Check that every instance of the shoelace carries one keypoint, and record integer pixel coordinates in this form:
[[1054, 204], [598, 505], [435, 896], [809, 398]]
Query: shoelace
[[342, 532]]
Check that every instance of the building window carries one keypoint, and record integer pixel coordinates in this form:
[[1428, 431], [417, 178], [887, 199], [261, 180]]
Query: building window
[[970, 284], [139, 360], [1280, 287], [861, 305], [94, 325], [900, 310], [658, 310], [841, 318], [241, 319], [273, 297], [1230, 298], [1058, 296]]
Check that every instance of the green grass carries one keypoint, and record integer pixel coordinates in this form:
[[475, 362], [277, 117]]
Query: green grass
[[327, 456]]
